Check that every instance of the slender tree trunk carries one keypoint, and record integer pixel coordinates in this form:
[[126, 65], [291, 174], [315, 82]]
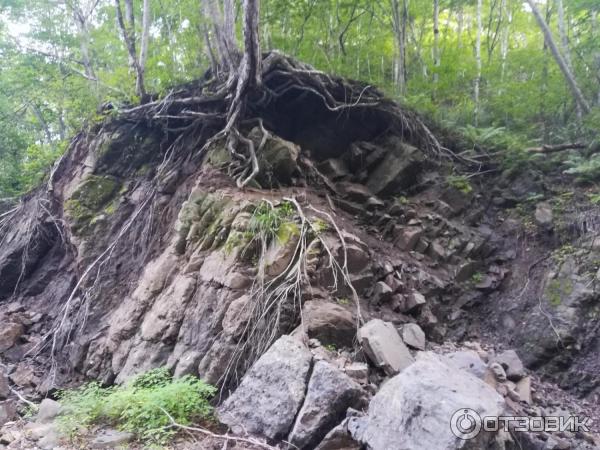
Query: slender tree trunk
[[564, 40], [436, 43], [569, 78], [224, 31], [596, 36], [544, 84], [140, 81], [460, 26], [504, 43], [128, 33], [399, 19], [478, 62]]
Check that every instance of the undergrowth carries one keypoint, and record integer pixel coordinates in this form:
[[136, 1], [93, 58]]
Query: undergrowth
[[137, 406]]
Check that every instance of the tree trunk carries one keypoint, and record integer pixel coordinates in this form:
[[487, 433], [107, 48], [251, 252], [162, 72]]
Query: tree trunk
[[569, 78], [81, 22], [140, 82], [399, 19], [436, 43], [564, 40], [128, 33], [478, 62], [504, 43], [460, 26]]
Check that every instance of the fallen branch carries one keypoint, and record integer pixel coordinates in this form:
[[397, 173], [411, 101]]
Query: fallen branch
[[557, 148], [209, 433]]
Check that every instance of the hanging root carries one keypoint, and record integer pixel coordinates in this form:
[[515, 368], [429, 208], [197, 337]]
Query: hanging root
[[221, 109], [276, 303]]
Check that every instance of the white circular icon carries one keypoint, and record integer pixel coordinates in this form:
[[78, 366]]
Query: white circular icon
[[465, 423]]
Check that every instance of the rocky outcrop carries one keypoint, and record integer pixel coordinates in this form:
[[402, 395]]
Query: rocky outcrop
[[329, 394], [271, 393], [384, 347], [412, 410]]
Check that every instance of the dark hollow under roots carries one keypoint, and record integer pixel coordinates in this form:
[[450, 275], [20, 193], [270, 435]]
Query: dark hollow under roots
[[320, 112]]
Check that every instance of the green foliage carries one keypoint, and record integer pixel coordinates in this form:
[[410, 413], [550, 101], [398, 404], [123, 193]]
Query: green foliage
[[460, 183], [267, 219], [137, 406], [586, 170]]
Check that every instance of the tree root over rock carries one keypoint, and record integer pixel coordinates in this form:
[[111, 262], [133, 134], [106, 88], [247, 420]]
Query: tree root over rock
[[224, 108]]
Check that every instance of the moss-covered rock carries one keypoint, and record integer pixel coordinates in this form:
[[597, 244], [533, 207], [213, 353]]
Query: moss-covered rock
[[95, 195]]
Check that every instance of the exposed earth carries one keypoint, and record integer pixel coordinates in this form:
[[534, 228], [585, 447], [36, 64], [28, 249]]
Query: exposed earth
[[397, 288]]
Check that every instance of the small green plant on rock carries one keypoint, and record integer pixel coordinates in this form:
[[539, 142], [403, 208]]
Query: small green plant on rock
[[460, 183], [267, 219], [138, 406]]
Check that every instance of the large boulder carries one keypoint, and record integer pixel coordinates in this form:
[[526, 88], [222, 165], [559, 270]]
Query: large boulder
[[384, 347], [415, 409], [330, 393], [329, 322], [268, 398], [398, 170]]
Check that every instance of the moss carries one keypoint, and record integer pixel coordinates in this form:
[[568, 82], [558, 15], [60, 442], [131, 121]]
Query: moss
[[286, 231], [558, 289], [89, 200], [460, 183]]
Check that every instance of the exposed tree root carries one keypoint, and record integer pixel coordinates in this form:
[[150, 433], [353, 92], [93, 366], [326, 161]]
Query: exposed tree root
[[224, 437], [281, 296], [228, 105]]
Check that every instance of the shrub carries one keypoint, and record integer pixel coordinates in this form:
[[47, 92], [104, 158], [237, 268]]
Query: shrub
[[136, 405]]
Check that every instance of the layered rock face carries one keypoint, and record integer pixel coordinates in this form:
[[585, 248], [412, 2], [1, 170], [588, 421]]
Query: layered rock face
[[325, 300]]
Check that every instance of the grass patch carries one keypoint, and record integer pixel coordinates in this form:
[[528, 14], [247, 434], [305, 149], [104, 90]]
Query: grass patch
[[136, 405]]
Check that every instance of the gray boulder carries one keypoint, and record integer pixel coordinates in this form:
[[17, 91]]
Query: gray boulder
[[48, 410], [329, 322], [413, 410], [111, 439], [467, 360], [384, 347], [271, 393], [330, 393], [413, 336], [512, 364]]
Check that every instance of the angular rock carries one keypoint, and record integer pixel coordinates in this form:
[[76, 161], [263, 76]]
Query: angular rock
[[406, 238], [413, 336], [355, 192], [4, 387], [414, 301], [8, 411], [48, 411], [358, 371], [512, 364], [381, 293], [271, 393], [334, 168], [498, 371], [329, 322], [330, 393], [523, 388], [413, 410], [384, 347], [339, 439], [469, 361], [9, 335], [111, 439], [398, 170], [543, 215]]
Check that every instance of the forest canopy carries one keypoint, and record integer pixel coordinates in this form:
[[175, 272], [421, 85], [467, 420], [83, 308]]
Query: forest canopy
[[487, 69]]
